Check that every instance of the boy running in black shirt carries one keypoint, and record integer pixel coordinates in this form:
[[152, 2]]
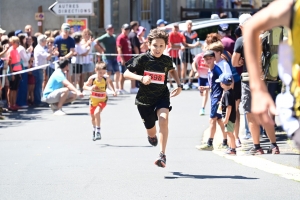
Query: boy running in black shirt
[[228, 109], [153, 98]]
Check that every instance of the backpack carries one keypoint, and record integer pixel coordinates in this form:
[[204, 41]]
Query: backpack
[[269, 56]]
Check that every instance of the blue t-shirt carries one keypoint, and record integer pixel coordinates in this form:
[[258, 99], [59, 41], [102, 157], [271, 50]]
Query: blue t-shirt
[[216, 89], [64, 45], [55, 82], [235, 74]]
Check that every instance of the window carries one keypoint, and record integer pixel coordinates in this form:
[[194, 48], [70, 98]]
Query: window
[[146, 10], [115, 13], [167, 10], [191, 4]]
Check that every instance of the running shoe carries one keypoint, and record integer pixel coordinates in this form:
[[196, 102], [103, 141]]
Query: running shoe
[[94, 136], [254, 151], [153, 141], [161, 160], [59, 113], [202, 112], [205, 147], [98, 136], [274, 150], [238, 143], [230, 152]]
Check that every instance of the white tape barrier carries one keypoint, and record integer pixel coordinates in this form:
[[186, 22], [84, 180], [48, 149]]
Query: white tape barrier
[[27, 70]]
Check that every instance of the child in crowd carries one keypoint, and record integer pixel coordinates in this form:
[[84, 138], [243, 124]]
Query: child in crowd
[[218, 49], [153, 98], [31, 83], [14, 62], [228, 109], [216, 94], [201, 72], [97, 84]]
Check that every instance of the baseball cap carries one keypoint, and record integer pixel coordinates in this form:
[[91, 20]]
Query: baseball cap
[[223, 27], [214, 16], [17, 32], [243, 18], [126, 26], [225, 78], [161, 21], [209, 53], [65, 26], [109, 26], [141, 29], [2, 31]]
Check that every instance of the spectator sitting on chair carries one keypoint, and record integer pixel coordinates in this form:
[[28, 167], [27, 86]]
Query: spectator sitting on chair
[[59, 90]]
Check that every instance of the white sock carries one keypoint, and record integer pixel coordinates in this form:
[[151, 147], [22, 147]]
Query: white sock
[[98, 129], [94, 128]]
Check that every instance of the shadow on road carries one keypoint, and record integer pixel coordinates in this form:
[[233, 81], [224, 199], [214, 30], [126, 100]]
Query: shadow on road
[[21, 116], [180, 175]]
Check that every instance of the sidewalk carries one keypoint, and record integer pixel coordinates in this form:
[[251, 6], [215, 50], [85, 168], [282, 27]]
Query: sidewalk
[[289, 155]]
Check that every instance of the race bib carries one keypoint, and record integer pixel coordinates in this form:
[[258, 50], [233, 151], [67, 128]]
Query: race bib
[[99, 95], [156, 77]]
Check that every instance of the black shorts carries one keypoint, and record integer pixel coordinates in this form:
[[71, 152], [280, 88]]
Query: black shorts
[[176, 61], [77, 68], [237, 90], [14, 85], [187, 57], [149, 113]]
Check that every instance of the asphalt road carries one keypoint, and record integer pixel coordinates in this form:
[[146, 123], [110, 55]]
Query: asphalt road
[[53, 157]]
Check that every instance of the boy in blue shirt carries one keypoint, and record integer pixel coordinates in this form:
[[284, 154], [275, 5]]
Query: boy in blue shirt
[[215, 96]]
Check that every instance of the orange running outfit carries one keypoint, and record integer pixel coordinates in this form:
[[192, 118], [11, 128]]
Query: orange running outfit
[[98, 96]]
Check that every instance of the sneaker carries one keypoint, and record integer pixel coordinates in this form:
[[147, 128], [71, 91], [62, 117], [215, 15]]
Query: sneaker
[[134, 90], [59, 113], [161, 160], [254, 151], [223, 146], [12, 108], [247, 136], [53, 107], [98, 136], [191, 85], [205, 147], [238, 143], [230, 152], [153, 141], [202, 112], [186, 87], [275, 150], [94, 136]]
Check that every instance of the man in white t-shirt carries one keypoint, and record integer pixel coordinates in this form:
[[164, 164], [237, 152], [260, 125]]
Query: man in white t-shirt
[[77, 61]]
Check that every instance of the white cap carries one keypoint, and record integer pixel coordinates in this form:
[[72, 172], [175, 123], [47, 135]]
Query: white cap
[[243, 18], [214, 16]]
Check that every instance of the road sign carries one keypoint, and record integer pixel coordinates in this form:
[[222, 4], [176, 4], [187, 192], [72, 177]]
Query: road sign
[[72, 8], [39, 16]]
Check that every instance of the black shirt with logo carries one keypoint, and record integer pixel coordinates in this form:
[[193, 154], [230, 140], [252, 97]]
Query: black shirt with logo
[[157, 68], [229, 100]]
